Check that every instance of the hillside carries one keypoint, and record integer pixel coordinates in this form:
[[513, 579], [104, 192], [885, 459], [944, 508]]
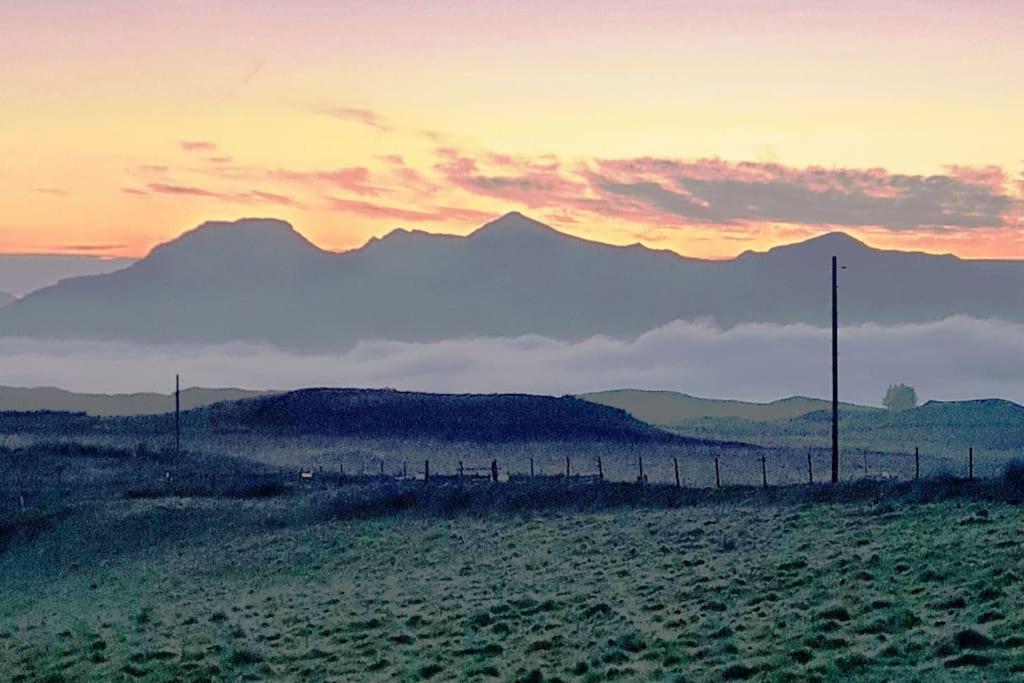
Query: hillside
[[410, 415], [669, 408], [6, 298], [937, 427], [260, 280], [50, 398]]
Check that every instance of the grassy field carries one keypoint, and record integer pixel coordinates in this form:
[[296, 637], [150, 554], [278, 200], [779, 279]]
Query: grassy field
[[214, 589]]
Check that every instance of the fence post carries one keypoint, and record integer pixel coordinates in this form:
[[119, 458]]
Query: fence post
[[641, 462], [810, 469], [531, 468], [764, 472], [675, 463], [718, 478], [494, 470], [600, 469], [405, 470], [917, 462], [970, 463], [567, 467], [460, 473], [382, 469], [426, 471]]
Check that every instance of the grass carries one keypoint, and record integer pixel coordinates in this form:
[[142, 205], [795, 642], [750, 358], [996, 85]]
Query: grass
[[923, 585]]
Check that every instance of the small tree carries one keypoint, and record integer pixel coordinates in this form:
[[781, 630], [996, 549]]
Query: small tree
[[900, 397]]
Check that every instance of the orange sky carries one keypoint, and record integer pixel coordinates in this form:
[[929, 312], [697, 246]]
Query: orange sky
[[707, 128]]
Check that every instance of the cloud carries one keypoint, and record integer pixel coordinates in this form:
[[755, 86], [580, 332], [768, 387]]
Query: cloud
[[354, 179], [249, 197], [90, 247], [715, 191], [957, 358], [533, 183], [442, 214], [167, 188], [366, 117], [677, 192], [54, 191], [197, 146]]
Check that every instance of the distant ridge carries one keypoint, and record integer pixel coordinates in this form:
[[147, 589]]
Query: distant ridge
[[103, 405], [259, 280], [6, 298], [669, 408]]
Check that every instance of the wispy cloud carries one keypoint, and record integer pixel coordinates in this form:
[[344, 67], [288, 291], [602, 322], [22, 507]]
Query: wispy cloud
[[530, 182], [246, 197], [715, 191], [709, 192], [53, 191], [197, 146], [89, 247], [367, 117], [354, 179], [433, 215]]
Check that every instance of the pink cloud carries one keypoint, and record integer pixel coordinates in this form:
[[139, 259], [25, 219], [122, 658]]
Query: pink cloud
[[532, 183], [197, 146], [354, 179], [438, 214]]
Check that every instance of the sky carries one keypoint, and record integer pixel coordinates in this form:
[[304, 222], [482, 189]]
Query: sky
[[708, 128]]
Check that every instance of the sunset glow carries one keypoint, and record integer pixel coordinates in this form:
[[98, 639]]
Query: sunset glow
[[704, 127]]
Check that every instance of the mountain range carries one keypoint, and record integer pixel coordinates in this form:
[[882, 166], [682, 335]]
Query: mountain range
[[260, 280]]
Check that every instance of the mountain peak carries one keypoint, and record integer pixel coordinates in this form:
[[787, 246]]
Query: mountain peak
[[514, 225], [246, 240], [819, 246]]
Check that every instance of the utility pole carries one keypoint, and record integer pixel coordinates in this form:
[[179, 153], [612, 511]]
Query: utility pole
[[835, 376], [177, 415]]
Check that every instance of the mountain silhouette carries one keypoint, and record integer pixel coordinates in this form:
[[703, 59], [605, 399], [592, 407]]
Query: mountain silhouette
[[260, 280]]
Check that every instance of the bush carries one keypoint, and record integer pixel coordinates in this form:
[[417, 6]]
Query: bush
[[1013, 476]]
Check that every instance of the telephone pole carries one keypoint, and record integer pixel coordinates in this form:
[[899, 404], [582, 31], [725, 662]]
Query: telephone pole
[[177, 415], [835, 376]]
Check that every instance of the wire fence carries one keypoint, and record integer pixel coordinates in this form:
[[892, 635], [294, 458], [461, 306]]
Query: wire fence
[[759, 467]]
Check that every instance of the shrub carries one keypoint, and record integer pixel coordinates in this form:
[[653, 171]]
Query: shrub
[[1013, 476]]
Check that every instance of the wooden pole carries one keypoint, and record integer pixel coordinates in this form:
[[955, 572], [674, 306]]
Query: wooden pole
[[405, 469], [675, 463], [764, 472], [810, 469], [494, 470], [917, 462], [718, 478], [835, 375], [382, 469], [567, 467], [177, 415], [531, 468], [426, 471], [600, 469], [460, 473], [641, 462], [970, 464]]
